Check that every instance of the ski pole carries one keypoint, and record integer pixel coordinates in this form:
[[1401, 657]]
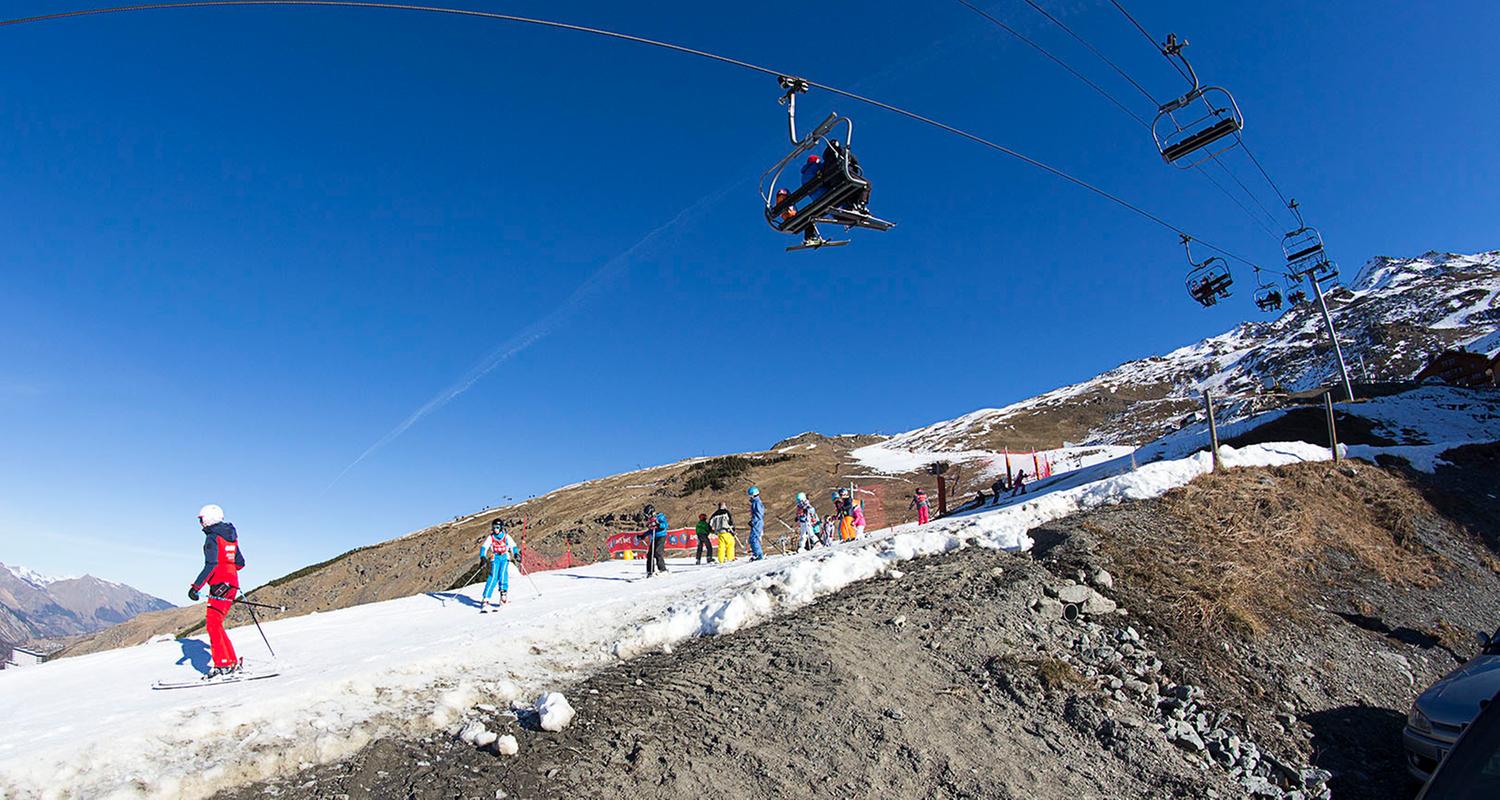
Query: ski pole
[[259, 628], [252, 604], [528, 578]]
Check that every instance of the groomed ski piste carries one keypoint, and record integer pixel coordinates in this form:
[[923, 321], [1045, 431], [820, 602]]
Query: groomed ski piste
[[92, 727]]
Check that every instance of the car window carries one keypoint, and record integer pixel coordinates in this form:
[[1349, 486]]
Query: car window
[[1472, 770]]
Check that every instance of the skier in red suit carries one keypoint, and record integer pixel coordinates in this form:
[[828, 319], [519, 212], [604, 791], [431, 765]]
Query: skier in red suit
[[222, 562]]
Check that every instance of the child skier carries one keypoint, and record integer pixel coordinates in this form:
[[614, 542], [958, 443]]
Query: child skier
[[498, 548], [859, 518], [847, 521], [807, 522], [919, 502], [222, 562], [722, 523]]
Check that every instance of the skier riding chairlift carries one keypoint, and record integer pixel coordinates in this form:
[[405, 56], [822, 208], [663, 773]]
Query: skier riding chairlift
[[1187, 144], [835, 192], [1209, 280], [1267, 296]]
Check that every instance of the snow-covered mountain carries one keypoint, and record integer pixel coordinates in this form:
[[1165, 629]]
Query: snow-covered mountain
[[37, 606], [1391, 318]]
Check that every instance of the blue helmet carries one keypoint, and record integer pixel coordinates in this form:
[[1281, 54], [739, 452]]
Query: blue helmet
[[754, 491]]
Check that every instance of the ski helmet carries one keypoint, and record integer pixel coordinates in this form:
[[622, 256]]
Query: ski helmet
[[649, 510], [802, 497], [497, 525], [210, 515], [844, 493], [754, 491], [702, 517]]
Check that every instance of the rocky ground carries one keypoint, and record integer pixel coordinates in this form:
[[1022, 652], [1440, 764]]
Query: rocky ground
[[1094, 667]]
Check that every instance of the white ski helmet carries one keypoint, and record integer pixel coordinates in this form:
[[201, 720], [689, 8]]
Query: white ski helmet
[[210, 515]]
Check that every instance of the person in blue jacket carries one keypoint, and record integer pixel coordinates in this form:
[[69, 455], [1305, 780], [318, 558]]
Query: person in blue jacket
[[656, 543], [757, 524], [498, 548]]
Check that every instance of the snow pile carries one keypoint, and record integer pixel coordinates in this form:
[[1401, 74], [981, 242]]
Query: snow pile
[[893, 458], [553, 711], [418, 664], [507, 745]]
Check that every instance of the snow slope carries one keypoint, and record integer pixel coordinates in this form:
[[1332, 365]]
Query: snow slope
[[91, 727]]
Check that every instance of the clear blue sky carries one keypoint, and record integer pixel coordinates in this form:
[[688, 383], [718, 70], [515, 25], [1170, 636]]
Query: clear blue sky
[[241, 246]]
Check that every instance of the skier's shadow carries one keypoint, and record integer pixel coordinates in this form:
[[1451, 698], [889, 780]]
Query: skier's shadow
[[196, 653], [462, 598]]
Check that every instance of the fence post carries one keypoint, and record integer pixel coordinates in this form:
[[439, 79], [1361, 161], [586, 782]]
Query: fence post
[[1333, 434], [1213, 429]]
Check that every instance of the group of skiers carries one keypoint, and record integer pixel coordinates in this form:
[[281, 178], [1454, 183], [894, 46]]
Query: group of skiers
[[223, 559]]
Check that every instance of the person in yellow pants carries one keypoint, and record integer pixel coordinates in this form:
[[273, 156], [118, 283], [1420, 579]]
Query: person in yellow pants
[[721, 522]]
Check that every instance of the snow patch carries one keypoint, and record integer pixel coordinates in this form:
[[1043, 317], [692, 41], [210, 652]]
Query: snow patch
[[554, 711]]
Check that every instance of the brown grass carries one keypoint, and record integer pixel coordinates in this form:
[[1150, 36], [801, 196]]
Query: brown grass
[[1245, 547]]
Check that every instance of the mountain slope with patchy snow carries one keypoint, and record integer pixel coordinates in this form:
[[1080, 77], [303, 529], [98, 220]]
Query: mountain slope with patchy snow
[[1391, 318]]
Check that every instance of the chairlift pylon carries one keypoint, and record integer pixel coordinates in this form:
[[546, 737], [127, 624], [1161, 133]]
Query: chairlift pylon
[[1184, 136], [1209, 280], [1267, 296], [832, 196]]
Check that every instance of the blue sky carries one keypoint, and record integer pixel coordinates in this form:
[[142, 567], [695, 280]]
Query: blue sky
[[242, 246]]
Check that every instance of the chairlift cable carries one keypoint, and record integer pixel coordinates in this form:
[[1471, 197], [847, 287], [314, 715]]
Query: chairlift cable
[[1092, 49], [1236, 178], [1144, 124], [1075, 73], [1155, 45], [608, 34], [1251, 214], [1266, 175]]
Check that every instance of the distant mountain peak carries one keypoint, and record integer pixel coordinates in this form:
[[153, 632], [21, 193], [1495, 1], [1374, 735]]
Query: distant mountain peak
[[35, 578]]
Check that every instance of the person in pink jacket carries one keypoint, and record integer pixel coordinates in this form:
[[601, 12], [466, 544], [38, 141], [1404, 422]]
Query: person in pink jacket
[[859, 519]]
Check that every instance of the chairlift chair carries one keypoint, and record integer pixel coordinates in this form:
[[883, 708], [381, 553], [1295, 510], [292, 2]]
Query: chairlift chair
[[1184, 136], [1267, 296], [1304, 251], [1295, 294], [1209, 280], [828, 197]]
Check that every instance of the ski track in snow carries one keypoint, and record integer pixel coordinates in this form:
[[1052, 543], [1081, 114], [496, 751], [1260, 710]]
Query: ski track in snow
[[91, 726]]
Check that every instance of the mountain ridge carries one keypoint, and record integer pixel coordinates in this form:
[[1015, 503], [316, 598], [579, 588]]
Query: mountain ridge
[[37, 608]]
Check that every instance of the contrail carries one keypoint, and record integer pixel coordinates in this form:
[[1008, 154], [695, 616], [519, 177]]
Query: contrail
[[539, 329]]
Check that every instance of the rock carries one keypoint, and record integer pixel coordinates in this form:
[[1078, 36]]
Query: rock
[[1103, 579], [485, 738], [1185, 737], [1049, 608], [895, 714], [506, 745], [1095, 603], [1075, 593], [899, 620]]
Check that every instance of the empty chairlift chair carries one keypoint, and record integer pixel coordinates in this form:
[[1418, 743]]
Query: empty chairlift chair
[[1305, 255], [830, 196], [1198, 125]]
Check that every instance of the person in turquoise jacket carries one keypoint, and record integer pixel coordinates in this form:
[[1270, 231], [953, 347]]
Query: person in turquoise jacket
[[757, 524], [498, 548]]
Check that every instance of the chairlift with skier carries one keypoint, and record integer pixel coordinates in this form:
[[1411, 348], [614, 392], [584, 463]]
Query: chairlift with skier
[[1187, 136], [836, 189], [1209, 280], [1304, 251], [1267, 296]]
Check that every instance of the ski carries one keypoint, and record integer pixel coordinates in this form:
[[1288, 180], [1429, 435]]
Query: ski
[[198, 682]]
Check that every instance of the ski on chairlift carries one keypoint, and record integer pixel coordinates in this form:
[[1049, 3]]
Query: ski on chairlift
[[1209, 280], [832, 189], [1186, 134]]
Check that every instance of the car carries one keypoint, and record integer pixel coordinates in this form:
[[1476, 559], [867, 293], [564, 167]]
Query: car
[[1444, 709], [1471, 770]]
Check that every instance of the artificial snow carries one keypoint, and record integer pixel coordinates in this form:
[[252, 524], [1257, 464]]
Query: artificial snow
[[90, 726], [553, 711]]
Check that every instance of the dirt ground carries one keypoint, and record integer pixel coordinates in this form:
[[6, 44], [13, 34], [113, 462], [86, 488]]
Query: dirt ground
[[962, 678]]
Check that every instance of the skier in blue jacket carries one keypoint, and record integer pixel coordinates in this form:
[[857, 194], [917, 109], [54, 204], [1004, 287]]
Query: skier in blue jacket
[[656, 540], [498, 548], [757, 524]]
